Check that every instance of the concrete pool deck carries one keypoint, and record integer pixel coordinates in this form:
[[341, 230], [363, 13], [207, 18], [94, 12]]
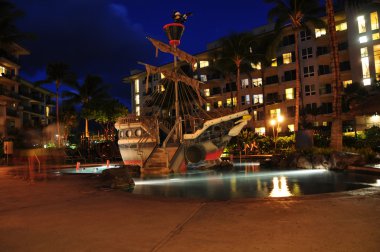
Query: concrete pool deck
[[71, 213]]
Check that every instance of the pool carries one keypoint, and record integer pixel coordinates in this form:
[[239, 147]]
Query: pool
[[212, 185]]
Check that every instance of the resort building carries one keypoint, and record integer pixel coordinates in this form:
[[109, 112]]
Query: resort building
[[358, 38], [22, 105]]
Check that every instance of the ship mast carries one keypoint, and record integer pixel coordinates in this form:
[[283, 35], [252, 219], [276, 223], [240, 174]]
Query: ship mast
[[174, 33]]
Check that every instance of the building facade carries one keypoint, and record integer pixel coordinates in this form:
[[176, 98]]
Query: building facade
[[22, 105], [359, 54]]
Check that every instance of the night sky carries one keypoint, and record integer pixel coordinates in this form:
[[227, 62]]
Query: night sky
[[107, 37]]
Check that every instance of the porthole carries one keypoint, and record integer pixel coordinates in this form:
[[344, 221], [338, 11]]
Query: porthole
[[138, 132], [129, 133]]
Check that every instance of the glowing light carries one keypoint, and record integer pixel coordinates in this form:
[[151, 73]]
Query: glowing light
[[280, 188]]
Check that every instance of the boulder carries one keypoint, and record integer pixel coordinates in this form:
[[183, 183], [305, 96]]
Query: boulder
[[341, 160], [118, 178]]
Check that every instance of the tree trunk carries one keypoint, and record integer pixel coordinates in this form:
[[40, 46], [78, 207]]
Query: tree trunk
[[86, 132], [264, 99], [57, 84], [298, 83], [238, 88], [336, 128]]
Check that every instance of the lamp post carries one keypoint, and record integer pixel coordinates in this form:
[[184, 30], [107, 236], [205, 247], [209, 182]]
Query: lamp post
[[276, 122]]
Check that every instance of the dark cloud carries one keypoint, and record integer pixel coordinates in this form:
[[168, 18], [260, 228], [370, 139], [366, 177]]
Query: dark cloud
[[93, 37], [107, 37]]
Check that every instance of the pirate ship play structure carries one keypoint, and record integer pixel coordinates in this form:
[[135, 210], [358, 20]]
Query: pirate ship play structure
[[176, 135]]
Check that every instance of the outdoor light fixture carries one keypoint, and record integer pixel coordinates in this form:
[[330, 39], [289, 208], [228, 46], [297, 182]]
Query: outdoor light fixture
[[276, 122]]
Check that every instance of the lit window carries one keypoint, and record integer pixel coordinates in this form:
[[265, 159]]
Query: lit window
[[260, 131], [366, 82], [275, 113], [47, 111], [361, 24], [289, 93], [374, 21], [203, 77], [220, 104], [365, 68], [376, 55], [274, 62], [256, 66], [228, 101], [291, 127], [203, 63], [319, 32], [244, 83], [287, 58], [346, 83], [257, 98], [258, 82], [363, 39], [247, 100], [376, 36], [364, 52], [208, 106], [234, 100], [162, 76], [2, 70], [207, 92], [137, 86], [138, 110], [137, 99], [341, 27], [324, 124]]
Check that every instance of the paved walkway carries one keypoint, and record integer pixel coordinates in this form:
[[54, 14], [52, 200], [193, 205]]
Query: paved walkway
[[71, 213]]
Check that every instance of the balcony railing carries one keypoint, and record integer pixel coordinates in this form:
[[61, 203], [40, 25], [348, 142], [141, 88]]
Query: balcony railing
[[12, 112]]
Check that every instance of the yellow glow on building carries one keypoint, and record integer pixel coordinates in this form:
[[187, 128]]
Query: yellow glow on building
[[208, 107], [341, 27], [275, 113], [137, 99], [260, 130], [220, 104], [361, 24], [374, 21], [287, 58], [363, 39], [206, 92], [376, 36], [319, 32], [376, 55], [274, 62], [346, 83], [162, 76], [47, 111], [137, 86], [291, 127], [256, 66], [257, 82], [289, 94]]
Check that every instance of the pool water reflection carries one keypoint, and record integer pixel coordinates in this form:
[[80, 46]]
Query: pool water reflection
[[213, 185]]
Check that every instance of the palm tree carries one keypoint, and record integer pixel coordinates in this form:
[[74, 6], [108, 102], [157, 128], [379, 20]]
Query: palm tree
[[336, 127], [58, 73], [299, 14], [92, 89], [234, 52]]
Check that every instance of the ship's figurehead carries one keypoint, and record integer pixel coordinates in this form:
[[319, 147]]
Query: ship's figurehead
[[180, 18]]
